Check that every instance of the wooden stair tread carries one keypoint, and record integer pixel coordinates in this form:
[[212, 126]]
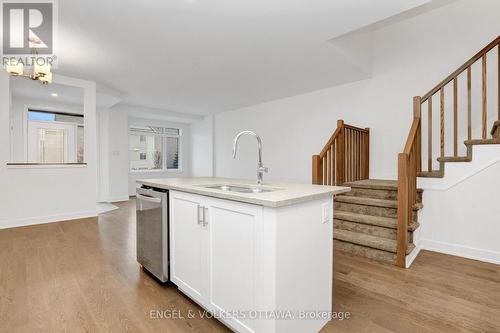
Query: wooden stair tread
[[431, 174], [367, 201], [374, 242], [453, 159], [372, 202], [385, 222], [376, 184], [381, 184], [482, 142]]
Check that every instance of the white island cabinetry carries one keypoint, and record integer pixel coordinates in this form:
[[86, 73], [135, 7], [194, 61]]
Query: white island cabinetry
[[250, 264]]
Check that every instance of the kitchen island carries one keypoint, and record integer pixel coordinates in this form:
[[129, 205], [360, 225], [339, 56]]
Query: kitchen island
[[259, 258]]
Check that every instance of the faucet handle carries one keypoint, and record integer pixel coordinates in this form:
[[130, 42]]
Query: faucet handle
[[263, 169]]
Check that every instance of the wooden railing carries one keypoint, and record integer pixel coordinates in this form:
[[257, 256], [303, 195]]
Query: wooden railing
[[410, 160], [345, 157], [409, 164]]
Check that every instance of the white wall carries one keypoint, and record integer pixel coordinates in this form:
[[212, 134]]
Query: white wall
[[33, 195], [202, 147], [409, 58], [103, 155], [460, 214], [117, 181], [116, 148]]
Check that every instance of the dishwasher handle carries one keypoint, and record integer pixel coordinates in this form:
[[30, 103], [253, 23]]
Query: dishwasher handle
[[149, 199]]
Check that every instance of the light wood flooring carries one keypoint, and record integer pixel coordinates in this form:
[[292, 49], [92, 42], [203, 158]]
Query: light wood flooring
[[81, 276]]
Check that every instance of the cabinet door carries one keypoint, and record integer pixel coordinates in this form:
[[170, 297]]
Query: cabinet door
[[187, 244], [233, 232]]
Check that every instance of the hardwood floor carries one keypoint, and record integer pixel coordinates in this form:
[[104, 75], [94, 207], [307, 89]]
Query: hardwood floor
[[81, 276]]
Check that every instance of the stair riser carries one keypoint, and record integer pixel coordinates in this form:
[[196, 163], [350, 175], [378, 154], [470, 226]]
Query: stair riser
[[369, 229], [369, 210], [377, 194], [371, 193], [366, 252]]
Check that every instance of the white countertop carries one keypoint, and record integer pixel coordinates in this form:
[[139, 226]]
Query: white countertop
[[283, 194]]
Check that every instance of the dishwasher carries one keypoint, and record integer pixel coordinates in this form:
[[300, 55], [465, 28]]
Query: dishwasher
[[152, 231]]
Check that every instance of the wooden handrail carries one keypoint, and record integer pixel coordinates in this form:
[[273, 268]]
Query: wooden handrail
[[410, 160], [329, 143], [461, 69], [364, 130], [345, 157], [412, 136]]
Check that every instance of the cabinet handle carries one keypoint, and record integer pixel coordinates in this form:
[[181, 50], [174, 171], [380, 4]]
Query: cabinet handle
[[200, 219], [205, 223]]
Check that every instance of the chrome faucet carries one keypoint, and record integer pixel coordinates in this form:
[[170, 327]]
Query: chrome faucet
[[260, 166]]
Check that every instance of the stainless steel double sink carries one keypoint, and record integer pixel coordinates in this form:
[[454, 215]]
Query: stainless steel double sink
[[240, 188]]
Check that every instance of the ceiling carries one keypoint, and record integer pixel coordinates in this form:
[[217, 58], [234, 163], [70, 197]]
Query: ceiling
[[208, 56], [35, 91]]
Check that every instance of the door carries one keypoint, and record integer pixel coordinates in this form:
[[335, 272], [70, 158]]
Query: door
[[51, 142], [187, 244], [234, 258]]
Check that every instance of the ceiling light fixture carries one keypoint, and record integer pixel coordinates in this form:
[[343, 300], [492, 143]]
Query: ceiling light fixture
[[54, 94], [40, 73]]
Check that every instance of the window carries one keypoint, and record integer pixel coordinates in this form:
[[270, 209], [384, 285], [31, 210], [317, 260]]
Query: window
[[54, 137], [41, 116], [154, 148], [172, 153]]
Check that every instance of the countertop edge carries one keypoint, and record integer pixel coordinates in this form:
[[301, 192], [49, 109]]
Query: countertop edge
[[254, 201]]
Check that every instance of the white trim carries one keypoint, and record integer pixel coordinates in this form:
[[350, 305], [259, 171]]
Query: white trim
[[25, 132], [46, 219], [416, 240], [461, 251], [412, 256], [463, 178]]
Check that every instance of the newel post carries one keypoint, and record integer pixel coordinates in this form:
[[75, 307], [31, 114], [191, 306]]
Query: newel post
[[417, 114], [317, 170], [367, 154], [403, 209], [340, 154]]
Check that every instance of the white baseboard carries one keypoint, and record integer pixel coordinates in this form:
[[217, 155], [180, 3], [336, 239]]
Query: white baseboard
[[412, 256], [461, 251], [46, 219]]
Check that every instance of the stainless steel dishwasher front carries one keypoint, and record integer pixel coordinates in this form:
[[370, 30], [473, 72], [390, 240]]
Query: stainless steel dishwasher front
[[152, 231]]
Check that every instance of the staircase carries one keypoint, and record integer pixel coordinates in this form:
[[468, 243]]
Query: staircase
[[365, 220], [470, 143], [378, 219]]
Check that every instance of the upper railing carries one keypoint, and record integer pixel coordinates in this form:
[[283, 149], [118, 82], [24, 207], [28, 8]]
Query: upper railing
[[345, 157], [410, 160]]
